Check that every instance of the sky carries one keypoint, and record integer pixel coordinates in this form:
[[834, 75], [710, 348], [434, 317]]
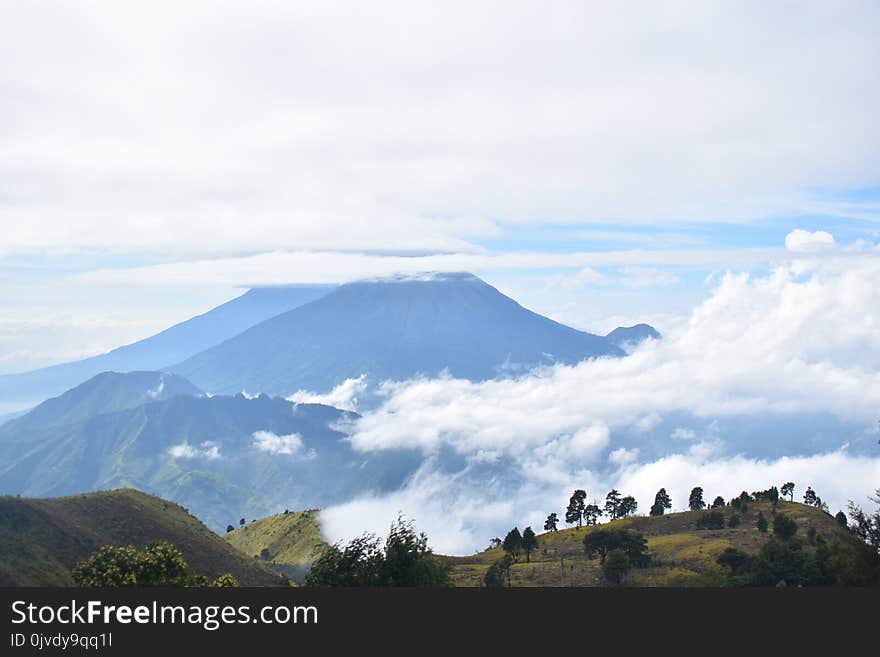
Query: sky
[[603, 163]]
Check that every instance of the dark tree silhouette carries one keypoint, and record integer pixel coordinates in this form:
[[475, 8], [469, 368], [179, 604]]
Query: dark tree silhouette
[[575, 511], [695, 501], [513, 543], [810, 496], [661, 503], [551, 522], [718, 502], [628, 506], [229, 528], [591, 514], [529, 543], [788, 489], [612, 504]]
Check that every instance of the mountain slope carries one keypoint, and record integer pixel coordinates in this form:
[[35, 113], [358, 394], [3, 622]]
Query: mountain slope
[[391, 329], [682, 554], [170, 346], [223, 457], [287, 542], [42, 539], [105, 393]]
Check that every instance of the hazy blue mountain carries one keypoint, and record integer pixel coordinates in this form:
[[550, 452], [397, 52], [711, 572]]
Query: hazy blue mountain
[[105, 393], [391, 329], [206, 453], [170, 346], [624, 336]]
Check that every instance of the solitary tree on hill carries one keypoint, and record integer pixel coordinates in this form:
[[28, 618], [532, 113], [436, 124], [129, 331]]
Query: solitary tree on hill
[[718, 502], [695, 501], [529, 542], [661, 503], [788, 489], [513, 543], [810, 496], [229, 528], [575, 511], [551, 522]]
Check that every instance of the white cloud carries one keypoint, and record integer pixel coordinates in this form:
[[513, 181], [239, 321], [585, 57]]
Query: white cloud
[[683, 433], [804, 241], [793, 341], [623, 456], [206, 450], [582, 278], [289, 445], [345, 396], [233, 140], [461, 512]]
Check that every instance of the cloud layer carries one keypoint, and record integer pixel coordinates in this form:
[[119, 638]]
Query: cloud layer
[[192, 128], [804, 339]]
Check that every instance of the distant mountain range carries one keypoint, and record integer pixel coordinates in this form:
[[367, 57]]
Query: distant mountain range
[[222, 457], [395, 328], [172, 345]]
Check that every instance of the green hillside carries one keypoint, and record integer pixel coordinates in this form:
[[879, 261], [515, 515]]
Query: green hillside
[[290, 541], [682, 554], [42, 539]]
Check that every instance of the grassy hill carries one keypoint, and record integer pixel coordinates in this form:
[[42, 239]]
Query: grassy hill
[[42, 539], [290, 540], [682, 554]]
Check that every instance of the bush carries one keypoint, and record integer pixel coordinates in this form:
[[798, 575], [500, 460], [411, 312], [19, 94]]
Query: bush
[[784, 527], [405, 560], [160, 564], [711, 520], [616, 566], [601, 542]]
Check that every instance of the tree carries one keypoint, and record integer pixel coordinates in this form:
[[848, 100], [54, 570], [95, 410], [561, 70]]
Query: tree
[[616, 566], [513, 543], [498, 572], [529, 542], [229, 528], [159, 564], [494, 543], [733, 521], [784, 527], [225, 581], [762, 523], [695, 501], [866, 525], [404, 560], [661, 503], [810, 496], [788, 489], [241, 522], [841, 518], [612, 504], [591, 514], [575, 511], [602, 540], [718, 502], [551, 522], [627, 507], [741, 503]]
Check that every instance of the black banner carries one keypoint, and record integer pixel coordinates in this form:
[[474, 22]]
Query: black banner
[[227, 621]]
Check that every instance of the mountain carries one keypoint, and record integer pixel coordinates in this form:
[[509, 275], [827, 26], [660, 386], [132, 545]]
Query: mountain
[[222, 457], [105, 393], [287, 542], [42, 539], [681, 553], [393, 328], [627, 336], [170, 346]]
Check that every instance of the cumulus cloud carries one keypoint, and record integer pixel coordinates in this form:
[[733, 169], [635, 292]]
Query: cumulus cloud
[[271, 443], [804, 241], [207, 450], [345, 396], [787, 342], [639, 277]]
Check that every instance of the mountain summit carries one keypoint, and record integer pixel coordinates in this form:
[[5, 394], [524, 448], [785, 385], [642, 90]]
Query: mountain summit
[[391, 328]]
